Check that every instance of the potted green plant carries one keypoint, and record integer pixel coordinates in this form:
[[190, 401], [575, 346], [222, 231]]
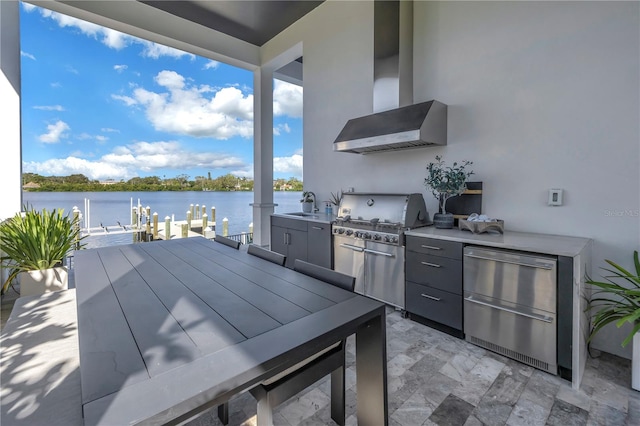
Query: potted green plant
[[33, 246], [446, 182], [617, 300], [307, 201], [336, 199]]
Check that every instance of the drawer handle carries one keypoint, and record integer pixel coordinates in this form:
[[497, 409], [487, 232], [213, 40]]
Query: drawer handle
[[431, 247], [547, 266], [433, 265], [437, 299], [317, 227], [512, 311]]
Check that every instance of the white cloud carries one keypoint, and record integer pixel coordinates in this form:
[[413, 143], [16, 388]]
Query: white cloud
[[126, 99], [101, 138], [109, 130], [49, 107], [28, 7], [155, 50], [56, 85], [291, 165], [281, 128], [124, 162], [55, 132], [287, 99], [112, 38], [184, 108], [27, 55], [211, 65], [72, 70], [120, 68]]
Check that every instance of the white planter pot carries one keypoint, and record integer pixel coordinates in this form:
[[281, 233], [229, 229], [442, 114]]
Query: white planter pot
[[33, 283], [307, 207], [635, 363]]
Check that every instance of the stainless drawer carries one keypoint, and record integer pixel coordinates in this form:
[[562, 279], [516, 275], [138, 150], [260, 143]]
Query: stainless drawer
[[525, 334], [434, 247], [435, 305], [439, 272], [511, 277]]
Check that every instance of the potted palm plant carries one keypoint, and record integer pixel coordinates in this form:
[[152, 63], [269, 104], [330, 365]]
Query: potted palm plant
[[617, 300], [33, 246], [446, 182]]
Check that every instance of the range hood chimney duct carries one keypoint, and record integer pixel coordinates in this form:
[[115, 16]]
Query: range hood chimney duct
[[397, 123]]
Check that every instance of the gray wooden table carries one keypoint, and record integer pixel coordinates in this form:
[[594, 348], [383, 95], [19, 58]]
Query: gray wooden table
[[168, 329]]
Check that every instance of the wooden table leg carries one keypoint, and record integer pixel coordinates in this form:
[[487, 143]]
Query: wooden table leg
[[371, 372]]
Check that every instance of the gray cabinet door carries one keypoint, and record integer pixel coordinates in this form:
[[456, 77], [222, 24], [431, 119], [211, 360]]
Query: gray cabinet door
[[279, 239], [319, 244], [296, 247]]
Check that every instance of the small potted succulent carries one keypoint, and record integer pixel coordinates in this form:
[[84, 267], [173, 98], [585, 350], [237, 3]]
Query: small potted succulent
[[34, 245], [446, 182], [336, 199]]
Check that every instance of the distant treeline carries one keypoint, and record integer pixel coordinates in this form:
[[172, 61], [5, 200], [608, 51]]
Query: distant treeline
[[81, 183]]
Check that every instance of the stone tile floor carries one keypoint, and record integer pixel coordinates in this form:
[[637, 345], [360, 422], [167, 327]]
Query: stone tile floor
[[436, 379]]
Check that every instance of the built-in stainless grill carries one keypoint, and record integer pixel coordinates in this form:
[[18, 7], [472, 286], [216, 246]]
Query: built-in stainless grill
[[369, 241]]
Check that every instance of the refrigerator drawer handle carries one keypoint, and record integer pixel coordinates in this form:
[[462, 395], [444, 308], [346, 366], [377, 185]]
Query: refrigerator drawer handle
[[539, 266], [349, 246], [381, 253], [430, 247], [513, 311], [320, 228], [433, 265], [437, 299]]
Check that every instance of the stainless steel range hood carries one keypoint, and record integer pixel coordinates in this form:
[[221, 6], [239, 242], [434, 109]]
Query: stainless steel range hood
[[396, 123], [408, 127]]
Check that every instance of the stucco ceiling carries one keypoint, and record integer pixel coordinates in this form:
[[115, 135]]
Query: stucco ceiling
[[255, 22]]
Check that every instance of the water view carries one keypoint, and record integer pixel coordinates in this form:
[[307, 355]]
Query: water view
[[109, 208]]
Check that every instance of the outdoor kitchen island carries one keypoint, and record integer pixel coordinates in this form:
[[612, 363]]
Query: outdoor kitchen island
[[573, 259]]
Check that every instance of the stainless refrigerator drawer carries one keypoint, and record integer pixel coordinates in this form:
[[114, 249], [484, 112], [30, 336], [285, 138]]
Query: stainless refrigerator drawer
[[511, 276], [523, 333]]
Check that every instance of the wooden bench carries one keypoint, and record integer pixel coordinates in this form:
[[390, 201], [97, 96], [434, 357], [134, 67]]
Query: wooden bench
[[40, 368]]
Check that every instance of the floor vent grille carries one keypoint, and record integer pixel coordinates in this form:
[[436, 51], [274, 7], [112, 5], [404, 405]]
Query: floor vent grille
[[509, 353]]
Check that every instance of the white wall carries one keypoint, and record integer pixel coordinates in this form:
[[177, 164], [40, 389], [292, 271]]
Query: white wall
[[541, 95], [10, 160]]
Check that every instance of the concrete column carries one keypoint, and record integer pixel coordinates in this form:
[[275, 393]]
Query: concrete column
[[10, 143], [262, 154]]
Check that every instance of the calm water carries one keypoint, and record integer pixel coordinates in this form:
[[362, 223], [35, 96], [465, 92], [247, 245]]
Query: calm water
[[108, 208]]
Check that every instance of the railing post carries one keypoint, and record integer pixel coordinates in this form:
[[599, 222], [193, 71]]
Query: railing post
[[204, 224], [134, 218], [76, 226], [185, 230], [197, 214], [192, 208], [155, 225], [204, 210], [189, 216], [225, 227], [167, 228]]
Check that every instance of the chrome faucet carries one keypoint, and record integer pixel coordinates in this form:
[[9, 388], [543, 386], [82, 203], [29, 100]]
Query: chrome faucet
[[315, 206]]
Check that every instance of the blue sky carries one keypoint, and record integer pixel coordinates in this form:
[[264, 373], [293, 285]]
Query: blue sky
[[111, 106]]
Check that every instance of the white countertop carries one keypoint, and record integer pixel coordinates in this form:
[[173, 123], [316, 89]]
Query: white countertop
[[558, 245]]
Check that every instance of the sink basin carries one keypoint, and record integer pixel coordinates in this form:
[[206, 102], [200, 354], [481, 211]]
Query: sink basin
[[313, 215]]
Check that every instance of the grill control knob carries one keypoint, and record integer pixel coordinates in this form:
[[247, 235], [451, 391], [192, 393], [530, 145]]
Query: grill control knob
[[394, 240], [387, 239], [366, 236], [349, 232], [340, 230], [376, 237], [357, 234]]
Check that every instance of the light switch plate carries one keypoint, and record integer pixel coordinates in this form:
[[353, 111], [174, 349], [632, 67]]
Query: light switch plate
[[555, 197]]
